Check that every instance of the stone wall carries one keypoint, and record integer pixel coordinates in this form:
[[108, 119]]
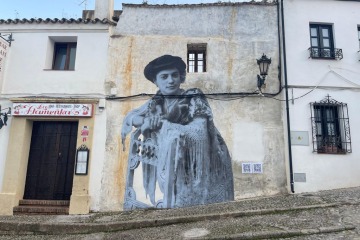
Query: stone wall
[[236, 35]]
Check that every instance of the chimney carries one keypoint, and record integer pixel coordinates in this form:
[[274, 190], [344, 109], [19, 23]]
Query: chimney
[[104, 9]]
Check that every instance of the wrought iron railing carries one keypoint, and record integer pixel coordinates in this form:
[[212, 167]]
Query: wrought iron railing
[[326, 53]]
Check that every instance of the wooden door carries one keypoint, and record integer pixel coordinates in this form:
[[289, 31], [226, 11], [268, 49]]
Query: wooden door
[[51, 161]]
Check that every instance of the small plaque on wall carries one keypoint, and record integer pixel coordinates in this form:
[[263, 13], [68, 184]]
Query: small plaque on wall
[[300, 138], [252, 167]]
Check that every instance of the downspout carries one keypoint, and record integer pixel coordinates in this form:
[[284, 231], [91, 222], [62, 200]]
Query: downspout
[[287, 98]]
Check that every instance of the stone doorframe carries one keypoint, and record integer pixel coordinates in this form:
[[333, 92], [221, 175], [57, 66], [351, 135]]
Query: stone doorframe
[[18, 154]]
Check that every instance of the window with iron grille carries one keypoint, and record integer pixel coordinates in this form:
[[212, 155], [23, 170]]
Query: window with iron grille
[[330, 126], [196, 57], [322, 42], [64, 56], [359, 36]]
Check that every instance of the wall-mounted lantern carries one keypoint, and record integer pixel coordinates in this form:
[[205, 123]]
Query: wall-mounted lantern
[[264, 63], [82, 160], [4, 116]]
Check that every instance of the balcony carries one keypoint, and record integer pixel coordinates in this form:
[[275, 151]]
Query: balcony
[[325, 53]]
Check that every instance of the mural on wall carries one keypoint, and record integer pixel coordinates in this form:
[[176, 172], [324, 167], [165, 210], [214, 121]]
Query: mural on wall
[[183, 159]]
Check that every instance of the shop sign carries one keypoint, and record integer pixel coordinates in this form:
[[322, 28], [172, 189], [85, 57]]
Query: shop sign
[[52, 109], [4, 46]]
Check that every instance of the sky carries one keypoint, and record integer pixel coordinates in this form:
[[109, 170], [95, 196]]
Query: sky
[[11, 9]]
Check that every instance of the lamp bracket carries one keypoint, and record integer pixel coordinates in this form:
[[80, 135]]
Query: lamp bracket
[[9, 38], [260, 81]]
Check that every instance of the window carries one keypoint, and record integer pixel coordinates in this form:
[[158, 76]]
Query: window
[[330, 126], [64, 56], [196, 58], [322, 42], [359, 37]]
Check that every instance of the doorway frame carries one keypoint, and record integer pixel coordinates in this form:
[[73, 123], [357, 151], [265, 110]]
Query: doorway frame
[[17, 162], [59, 179]]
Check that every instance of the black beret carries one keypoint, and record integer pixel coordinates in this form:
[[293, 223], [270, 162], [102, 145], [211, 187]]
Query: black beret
[[162, 63]]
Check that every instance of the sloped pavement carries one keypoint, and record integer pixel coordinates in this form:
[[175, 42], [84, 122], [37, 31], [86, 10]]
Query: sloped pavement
[[323, 215]]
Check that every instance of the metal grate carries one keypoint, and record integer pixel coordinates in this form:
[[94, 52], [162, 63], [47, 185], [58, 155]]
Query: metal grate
[[326, 53], [330, 127]]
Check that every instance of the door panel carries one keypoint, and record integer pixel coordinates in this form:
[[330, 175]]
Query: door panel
[[51, 161]]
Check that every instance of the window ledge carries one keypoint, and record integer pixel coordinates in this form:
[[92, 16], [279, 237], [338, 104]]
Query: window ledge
[[59, 70], [331, 150], [342, 152]]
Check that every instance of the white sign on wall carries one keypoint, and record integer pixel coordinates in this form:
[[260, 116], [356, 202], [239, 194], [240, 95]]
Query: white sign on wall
[[252, 167], [52, 109], [4, 47]]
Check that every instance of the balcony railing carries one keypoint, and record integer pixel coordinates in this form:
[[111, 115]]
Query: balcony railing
[[325, 53]]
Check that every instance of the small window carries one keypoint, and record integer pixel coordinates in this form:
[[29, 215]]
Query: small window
[[321, 38], [330, 127], [64, 56], [322, 43], [196, 58], [359, 36]]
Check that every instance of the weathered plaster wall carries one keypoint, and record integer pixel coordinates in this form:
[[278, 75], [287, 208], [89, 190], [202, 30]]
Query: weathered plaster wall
[[236, 35]]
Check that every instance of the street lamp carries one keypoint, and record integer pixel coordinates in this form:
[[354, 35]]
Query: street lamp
[[263, 63]]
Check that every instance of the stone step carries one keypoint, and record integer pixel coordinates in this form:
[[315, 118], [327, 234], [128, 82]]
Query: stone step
[[41, 209], [29, 202]]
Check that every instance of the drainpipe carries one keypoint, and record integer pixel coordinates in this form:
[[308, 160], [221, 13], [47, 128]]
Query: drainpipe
[[104, 9], [287, 98]]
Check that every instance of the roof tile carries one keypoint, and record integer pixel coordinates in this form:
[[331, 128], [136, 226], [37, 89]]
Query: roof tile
[[57, 20]]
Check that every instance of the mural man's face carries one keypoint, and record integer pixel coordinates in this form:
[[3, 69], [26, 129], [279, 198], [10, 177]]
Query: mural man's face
[[168, 81]]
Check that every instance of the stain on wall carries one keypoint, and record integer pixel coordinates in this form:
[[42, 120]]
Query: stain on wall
[[236, 35]]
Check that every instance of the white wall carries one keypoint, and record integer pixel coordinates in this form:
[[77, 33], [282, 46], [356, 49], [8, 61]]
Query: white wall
[[338, 78], [4, 137], [98, 159], [29, 70]]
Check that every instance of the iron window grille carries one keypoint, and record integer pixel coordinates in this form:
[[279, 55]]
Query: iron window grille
[[330, 127], [322, 42], [196, 57], [325, 53], [359, 39]]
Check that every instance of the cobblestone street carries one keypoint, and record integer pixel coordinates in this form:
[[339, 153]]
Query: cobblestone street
[[323, 215]]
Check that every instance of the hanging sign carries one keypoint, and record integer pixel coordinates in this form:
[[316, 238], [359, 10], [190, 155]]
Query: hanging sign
[[82, 160], [84, 133], [4, 47], [52, 109]]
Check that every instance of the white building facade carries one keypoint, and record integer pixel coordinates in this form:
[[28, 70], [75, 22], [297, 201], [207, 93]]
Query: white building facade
[[53, 81], [323, 74]]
